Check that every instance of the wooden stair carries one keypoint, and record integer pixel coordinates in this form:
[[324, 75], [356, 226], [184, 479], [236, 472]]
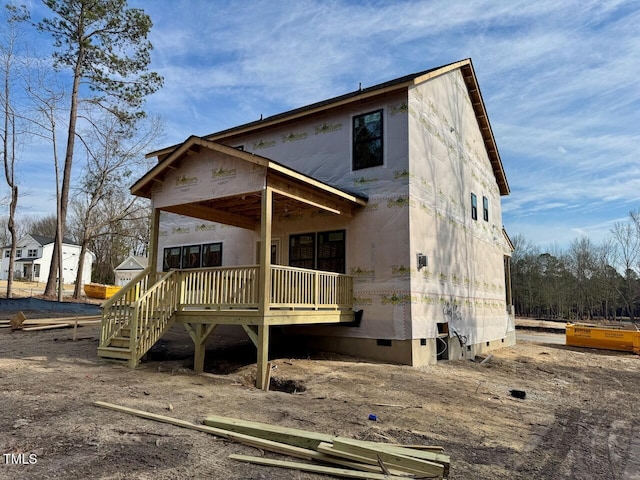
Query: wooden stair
[[148, 314], [118, 348]]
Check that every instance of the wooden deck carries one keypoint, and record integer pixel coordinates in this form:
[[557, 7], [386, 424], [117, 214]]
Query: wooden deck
[[140, 313]]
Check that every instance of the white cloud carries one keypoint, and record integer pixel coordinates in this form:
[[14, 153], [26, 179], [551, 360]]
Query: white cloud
[[558, 79]]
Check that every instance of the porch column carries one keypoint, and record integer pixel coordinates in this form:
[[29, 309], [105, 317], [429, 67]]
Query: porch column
[[153, 243], [265, 286]]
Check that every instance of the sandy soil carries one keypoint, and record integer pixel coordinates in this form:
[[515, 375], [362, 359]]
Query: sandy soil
[[580, 418]]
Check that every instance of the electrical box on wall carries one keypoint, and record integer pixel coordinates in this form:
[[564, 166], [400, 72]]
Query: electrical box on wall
[[422, 261]]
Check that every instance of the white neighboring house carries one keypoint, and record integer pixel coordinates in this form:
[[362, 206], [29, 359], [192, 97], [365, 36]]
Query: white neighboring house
[[128, 269], [33, 259]]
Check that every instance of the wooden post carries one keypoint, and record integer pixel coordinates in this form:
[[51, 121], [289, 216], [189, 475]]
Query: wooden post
[[153, 244], [199, 334], [265, 250], [265, 286], [263, 357], [198, 357]]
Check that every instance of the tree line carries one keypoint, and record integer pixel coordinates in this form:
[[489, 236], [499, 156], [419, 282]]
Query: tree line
[[83, 99], [584, 281]]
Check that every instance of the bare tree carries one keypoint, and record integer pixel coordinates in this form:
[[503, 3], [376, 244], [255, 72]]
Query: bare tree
[[627, 250], [45, 226], [105, 45], [8, 48], [102, 200]]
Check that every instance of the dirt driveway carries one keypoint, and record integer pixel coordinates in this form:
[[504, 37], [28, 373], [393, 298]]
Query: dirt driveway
[[580, 418]]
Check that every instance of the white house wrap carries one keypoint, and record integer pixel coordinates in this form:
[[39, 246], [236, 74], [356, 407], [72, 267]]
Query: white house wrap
[[425, 247]]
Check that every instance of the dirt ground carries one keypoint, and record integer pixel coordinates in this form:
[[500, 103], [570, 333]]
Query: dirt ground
[[580, 418]]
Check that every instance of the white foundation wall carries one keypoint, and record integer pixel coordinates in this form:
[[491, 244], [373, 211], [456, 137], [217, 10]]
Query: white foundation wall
[[463, 283]]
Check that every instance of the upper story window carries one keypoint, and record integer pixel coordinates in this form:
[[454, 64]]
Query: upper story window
[[32, 252], [19, 253], [474, 206], [367, 140], [7, 253], [485, 209]]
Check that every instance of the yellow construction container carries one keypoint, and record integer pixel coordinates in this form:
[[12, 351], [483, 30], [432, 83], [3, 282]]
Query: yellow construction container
[[578, 335], [94, 290]]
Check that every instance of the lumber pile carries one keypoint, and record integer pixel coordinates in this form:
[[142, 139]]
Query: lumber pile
[[336, 456], [21, 322]]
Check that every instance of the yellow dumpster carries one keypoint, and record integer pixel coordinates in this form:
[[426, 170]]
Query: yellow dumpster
[[94, 290], [605, 338]]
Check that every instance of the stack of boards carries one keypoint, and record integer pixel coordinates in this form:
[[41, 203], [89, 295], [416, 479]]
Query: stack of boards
[[21, 322], [336, 456]]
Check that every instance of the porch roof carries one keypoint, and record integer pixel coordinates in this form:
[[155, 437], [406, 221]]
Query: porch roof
[[292, 190]]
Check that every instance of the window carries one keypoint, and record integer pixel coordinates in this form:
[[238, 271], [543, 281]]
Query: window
[[367, 140], [302, 250], [32, 252], [474, 206], [7, 253], [212, 255], [191, 256], [485, 209], [171, 258], [19, 253], [329, 256], [331, 251]]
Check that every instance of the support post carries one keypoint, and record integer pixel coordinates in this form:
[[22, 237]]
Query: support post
[[263, 357], [153, 244], [198, 357], [265, 250], [199, 334], [265, 286]]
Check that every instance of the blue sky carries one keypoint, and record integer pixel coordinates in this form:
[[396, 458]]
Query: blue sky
[[559, 80]]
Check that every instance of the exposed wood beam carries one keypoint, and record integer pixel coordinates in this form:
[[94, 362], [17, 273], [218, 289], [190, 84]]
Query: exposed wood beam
[[212, 215], [309, 196]]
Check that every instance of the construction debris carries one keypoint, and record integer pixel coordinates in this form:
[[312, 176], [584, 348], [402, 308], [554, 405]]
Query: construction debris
[[347, 458], [21, 322]]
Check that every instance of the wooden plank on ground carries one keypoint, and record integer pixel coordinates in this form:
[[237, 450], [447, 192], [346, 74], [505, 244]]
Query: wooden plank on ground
[[291, 436], [80, 319], [311, 440], [262, 443], [389, 458], [306, 467], [424, 454], [46, 327]]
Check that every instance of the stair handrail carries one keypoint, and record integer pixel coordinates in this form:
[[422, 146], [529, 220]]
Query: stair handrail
[[116, 310], [143, 313]]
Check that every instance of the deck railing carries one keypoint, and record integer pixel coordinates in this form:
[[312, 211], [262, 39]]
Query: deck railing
[[302, 288], [221, 288]]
